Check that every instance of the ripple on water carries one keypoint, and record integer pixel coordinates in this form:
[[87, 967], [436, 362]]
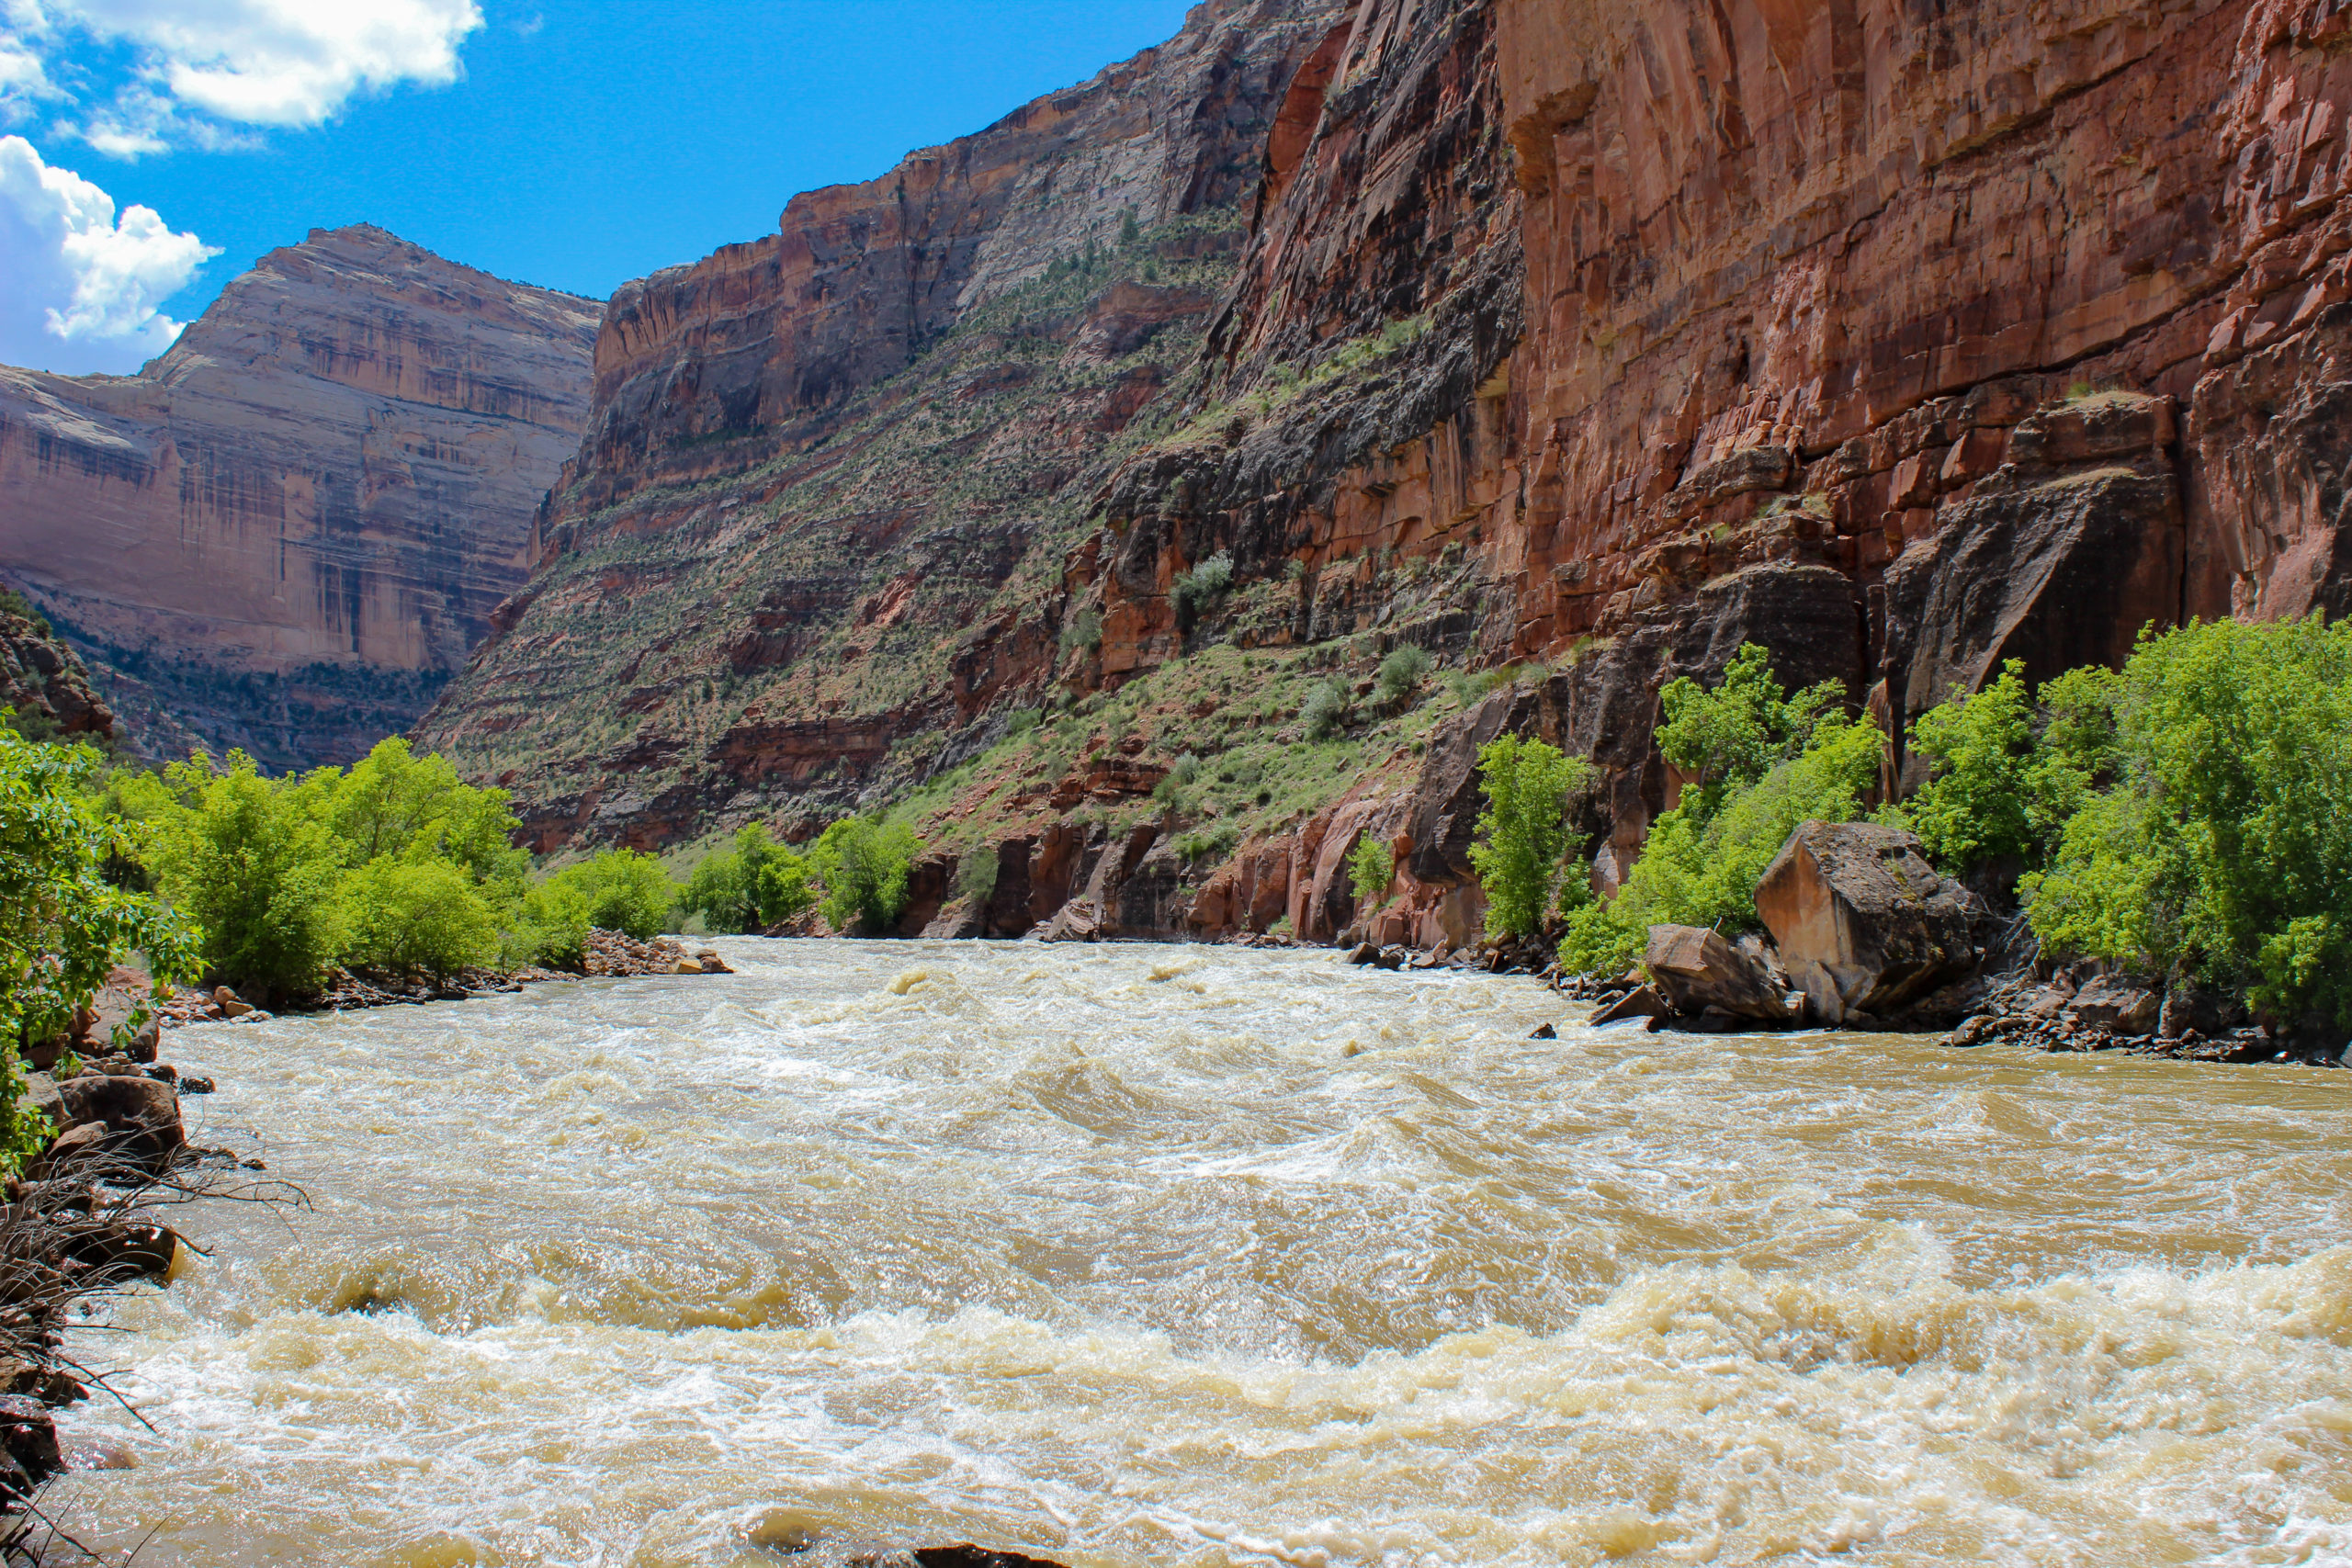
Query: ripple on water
[[1119, 1255]]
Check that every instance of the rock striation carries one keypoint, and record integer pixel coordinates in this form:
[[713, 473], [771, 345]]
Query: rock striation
[[1901, 340], [286, 531]]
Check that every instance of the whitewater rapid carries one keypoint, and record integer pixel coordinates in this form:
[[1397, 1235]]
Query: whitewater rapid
[[1136, 1255]]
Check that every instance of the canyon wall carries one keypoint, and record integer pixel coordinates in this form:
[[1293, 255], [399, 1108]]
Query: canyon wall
[[1580, 339], [286, 531]]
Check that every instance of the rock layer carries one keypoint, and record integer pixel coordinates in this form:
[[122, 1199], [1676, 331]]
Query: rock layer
[[286, 531]]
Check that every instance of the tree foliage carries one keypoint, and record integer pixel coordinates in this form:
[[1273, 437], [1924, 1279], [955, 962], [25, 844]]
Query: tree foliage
[[1729, 738], [1703, 857], [863, 865], [2220, 842], [1371, 866], [752, 884], [63, 926], [1523, 830], [616, 890]]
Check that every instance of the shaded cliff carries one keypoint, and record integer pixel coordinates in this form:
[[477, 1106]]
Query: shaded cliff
[[1574, 341], [285, 532], [43, 685]]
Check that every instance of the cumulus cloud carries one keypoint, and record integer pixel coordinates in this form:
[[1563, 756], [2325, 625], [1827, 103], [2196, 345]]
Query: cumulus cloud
[[202, 65], [84, 286]]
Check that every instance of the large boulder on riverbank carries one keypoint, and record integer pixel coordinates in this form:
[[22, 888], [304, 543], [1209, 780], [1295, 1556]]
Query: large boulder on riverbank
[[1698, 972], [1862, 923], [141, 1115]]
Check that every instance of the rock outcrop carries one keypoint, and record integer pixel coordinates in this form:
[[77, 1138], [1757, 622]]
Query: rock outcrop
[[1861, 922], [289, 529], [43, 683], [1903, 340]]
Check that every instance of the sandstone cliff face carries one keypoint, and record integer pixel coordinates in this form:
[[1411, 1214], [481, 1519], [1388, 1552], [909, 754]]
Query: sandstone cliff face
[[1900, 339], [286, 531]]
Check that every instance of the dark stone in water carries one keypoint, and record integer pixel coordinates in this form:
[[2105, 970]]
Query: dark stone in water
[[1544, 1031]]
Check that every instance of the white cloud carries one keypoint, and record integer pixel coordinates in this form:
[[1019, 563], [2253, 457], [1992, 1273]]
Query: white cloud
[[84, 285], [201, 65]]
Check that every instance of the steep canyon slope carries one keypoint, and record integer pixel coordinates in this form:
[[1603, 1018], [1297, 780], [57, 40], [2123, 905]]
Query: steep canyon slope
[[1574, 340], [287, 530]]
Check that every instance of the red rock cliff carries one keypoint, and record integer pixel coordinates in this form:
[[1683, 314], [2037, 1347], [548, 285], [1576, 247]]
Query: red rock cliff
[[289, 528], [1901, 339]]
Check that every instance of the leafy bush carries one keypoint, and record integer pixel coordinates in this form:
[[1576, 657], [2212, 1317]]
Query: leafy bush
[[1202, 586], [731, 888], [619, 890], [424, 915], [785, 893], [1372, 866], [63, 925], [1701, 868], [395, 802], [1402, 671], [2222, 845], [1729, 738], [1523, 830], [976, 873], [2006, 774], [1325, 710], [254, 864], [863, 866], [552, 927]]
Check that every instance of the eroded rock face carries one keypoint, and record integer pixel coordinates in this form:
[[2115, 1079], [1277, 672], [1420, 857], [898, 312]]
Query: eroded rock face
[[1861, 922], [1698, 972], [288, 530], [1901, 340], [44, 682]]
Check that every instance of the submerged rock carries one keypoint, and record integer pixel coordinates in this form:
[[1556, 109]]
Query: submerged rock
[[142, 1116]]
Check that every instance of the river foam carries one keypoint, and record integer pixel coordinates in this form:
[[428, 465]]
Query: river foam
[[1129, 1254]]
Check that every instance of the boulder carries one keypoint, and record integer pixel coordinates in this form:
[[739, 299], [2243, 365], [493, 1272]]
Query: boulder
[[74, 1144], [1693, 969], [1863, 922], [2116, 1007], [28, 1437], [140, 1116]]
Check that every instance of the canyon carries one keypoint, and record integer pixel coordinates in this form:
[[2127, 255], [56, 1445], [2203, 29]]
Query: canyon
[[1573, 341], [286, 531]]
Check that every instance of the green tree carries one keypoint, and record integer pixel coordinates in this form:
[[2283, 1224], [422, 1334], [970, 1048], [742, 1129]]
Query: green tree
[[253, 861], [1523, 831], [1729, 738], [618, 890], [1701, 868], [1372, 866], [730, 887], [863, 866], [424, 915], [63, 926], [785, 892], [2221, 844]]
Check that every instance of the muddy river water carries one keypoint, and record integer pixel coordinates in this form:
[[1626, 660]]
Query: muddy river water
[[1145, 1255]]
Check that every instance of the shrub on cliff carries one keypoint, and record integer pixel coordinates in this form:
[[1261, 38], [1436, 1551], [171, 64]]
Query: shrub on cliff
[[1699, 866], [63, 925], [1325, 710], [1402, 672], [863, 864], [1728, 738], [1523, 831], [2222, 845], [1204, 585], [1372, 866]]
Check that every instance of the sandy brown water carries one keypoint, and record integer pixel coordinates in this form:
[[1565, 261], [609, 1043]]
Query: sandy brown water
[[1148, 1254]]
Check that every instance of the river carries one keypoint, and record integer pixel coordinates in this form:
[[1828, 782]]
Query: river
[[1133, 1255]]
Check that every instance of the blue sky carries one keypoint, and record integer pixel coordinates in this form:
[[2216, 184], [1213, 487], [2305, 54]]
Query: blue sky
[[150, 150]]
